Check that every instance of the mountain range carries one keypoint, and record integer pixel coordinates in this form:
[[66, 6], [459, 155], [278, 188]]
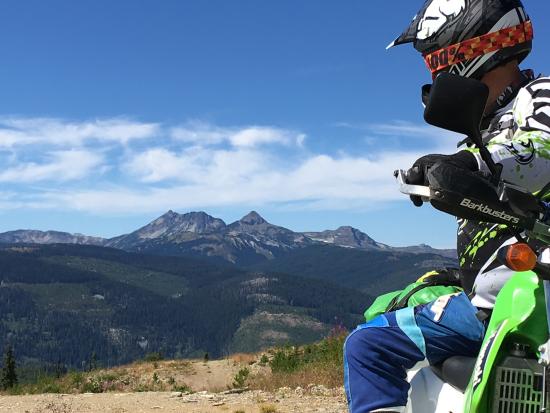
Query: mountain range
[[248, 241], [189, 284]]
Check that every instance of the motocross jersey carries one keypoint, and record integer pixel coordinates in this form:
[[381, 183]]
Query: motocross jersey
[[518, 137]]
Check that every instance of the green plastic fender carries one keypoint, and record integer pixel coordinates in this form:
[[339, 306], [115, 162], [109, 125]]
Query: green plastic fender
[[519, 313]]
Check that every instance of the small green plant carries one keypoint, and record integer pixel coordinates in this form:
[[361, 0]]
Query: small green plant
[[60, 369], [92, 363], [240, 378], [286, 360], [92, 385], [45, 383], [52, 388], [156, 378], [9, 377], [264, 360], [171, 381], [140, 388], [155, 356], [76, 379], [320, 363], [268, 408], [184, 388], [107, 377]]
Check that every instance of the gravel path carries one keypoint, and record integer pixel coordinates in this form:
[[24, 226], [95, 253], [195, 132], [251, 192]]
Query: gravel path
[[314, 399]]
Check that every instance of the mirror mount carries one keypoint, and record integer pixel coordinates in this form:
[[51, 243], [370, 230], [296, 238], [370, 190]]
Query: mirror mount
[[457, 103]]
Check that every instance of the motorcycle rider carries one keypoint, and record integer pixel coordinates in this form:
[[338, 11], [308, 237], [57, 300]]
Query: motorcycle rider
[[484, 40]]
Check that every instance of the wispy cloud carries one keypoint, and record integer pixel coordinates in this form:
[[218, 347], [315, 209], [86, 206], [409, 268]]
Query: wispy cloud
[[439, 139], [18, 131], [198, 165], [400, 128], [193, 165], [343, 183], [60, 166], [202, 134]]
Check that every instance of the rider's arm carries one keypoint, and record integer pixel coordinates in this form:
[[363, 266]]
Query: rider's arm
[[524, 150]]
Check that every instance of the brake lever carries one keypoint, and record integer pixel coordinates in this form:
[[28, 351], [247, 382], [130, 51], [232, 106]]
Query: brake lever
[[422, 191]]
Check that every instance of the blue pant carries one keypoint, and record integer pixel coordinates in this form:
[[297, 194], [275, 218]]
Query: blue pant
[[378, 354]]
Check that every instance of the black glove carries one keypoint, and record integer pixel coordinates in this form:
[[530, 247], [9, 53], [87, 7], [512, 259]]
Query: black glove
[[417, 175], [447, 276]]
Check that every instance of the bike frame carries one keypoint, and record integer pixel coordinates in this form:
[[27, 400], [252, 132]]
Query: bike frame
[[521, 315]]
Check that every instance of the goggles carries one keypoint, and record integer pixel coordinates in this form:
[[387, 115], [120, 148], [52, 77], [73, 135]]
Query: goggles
[[511, 36]]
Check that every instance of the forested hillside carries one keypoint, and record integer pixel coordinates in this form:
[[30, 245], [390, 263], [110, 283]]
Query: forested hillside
[[72, 305], [374, 272]]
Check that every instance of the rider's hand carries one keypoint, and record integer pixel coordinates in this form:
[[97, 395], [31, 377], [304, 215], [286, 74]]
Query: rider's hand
[[447, 276], [417, 175]]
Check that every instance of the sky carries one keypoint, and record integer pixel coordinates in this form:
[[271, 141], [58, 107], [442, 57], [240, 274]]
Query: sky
[[112, 113]]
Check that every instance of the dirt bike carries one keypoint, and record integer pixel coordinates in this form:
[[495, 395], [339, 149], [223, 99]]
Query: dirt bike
[[511, 372]]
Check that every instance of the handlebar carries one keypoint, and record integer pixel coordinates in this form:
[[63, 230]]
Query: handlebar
[[515, 208]]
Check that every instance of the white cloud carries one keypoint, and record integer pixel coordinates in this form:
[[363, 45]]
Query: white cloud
[[257, 136], [195, 166], [440, 140], [199, 133], [400, 128], [61, 166], [156, 165], [246, 178], [18, 131], [203, 134]]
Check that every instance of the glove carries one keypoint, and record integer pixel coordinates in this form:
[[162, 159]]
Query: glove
[[445, 276], [417, 175]]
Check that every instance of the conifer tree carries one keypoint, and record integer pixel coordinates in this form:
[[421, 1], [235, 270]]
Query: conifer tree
[[9, 376]]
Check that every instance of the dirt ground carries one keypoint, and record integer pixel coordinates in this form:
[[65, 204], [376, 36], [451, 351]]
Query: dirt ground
[[203, 402], [210, 383]]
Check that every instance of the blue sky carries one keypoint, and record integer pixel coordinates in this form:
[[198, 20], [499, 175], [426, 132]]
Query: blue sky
[[111, 113]]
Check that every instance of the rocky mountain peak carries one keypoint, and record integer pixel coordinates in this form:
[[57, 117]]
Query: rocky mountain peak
[[346, 236], [197, 233], [169, 214], [172, 223], [353, 232], [48, 237], [253, 218], [198, 222]]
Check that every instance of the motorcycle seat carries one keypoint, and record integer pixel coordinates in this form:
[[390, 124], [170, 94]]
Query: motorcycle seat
[[456, 371]]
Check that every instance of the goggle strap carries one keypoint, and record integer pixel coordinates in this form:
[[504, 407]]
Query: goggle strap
[[479, 46]]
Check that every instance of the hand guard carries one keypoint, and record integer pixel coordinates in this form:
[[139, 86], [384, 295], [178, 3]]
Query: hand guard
[[417, 175]]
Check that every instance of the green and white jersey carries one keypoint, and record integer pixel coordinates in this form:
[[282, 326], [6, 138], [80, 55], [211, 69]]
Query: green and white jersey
[[518, 138]]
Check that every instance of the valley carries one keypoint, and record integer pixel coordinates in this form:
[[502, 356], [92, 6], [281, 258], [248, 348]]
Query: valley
[[186, 285]]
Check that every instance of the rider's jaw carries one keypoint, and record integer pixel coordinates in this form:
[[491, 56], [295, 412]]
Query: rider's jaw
[[499, 79]]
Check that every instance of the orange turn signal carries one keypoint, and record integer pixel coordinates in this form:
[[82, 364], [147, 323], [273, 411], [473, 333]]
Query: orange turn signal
[[520, 257]]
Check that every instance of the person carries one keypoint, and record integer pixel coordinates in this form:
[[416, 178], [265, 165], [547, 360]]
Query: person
[[483, 40]]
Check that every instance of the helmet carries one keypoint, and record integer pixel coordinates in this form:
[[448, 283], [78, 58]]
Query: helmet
[[469, 37]]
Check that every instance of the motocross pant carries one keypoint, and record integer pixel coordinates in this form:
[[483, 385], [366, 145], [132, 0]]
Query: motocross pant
[[378, 354]]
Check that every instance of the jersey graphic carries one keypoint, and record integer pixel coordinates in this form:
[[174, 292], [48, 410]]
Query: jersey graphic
[[522, 151]]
